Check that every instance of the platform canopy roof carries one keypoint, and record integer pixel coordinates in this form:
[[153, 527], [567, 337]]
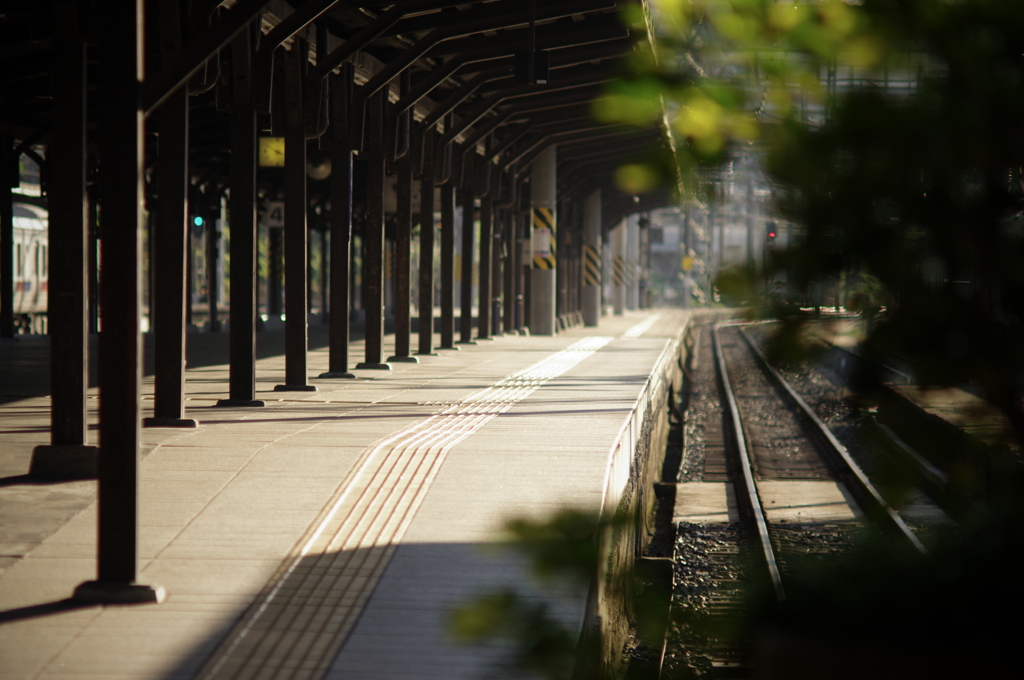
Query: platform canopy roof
[[462, 67]]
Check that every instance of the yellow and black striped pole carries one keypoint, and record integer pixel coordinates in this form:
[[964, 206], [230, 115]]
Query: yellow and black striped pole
[[592, 260], [617, 239], [618, 274], [591, 266], [543, 220], [543, 224], [632, 272]]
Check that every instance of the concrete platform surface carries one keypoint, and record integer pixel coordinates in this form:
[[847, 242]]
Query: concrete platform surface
[[329, 534]]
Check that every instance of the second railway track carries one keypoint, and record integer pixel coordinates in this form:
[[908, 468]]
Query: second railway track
[[797, 493], [777, 437]]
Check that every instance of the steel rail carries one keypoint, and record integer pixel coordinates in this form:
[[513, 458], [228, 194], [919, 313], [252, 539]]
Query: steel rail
[[932, 476], [906, 378], [750, 498], [871, 501]]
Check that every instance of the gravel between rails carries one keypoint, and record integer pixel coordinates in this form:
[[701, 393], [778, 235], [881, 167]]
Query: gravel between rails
[[711, 573]]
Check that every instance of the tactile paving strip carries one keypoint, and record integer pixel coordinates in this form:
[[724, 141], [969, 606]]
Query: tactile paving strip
[[304, 615]]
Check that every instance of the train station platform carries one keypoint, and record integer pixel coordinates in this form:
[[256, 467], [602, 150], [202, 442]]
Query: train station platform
[[329, 534]]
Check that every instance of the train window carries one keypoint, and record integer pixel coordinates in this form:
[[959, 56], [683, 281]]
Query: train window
[[37, 269], [17, 260], [45, 269]]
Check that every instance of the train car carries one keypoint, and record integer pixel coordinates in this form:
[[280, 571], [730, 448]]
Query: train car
[[31, 267]]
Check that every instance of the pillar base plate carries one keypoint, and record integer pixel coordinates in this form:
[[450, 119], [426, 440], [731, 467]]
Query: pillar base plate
[[162, 421], [450, 348], [64, 461], [337, 374], [466, 342], [374, 366], [112, 592], [242, 402], [404, 359], [427, 354], [295, 388]]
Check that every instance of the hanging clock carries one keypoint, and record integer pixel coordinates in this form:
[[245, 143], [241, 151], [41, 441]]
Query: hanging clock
[[271, 152]]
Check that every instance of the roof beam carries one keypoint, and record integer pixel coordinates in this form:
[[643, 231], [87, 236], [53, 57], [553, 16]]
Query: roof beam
[[162, 85]]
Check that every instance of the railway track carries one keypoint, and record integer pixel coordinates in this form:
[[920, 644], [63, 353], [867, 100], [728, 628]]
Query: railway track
[[819, 451], [798, 492]]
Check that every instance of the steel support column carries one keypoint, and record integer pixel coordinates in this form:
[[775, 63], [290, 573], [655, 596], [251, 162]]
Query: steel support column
[[643, 262], [296, 229], [341, 225], [524, 263], [8, 180], [486, 263], [573, 278], [543, 281], [426, 283], [212, 234], [448, 265], [403, 263], [169, 264], [468, 201], [606, 267], [592, 259], [511, 256], [120, 353], [373, 238], [562, 273], [577, 276], [275, 263], [632, 262], [68, 455], [242, 388], [325, 272], [497, 259], [509, 270], [618, 239], [94, 260], [400, 130]]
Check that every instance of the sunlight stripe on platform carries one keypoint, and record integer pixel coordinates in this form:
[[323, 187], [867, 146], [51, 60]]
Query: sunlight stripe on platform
[[641, 328], [308, 609]]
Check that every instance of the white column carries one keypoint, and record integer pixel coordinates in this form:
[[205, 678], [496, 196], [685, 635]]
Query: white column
[[618, 239], [592, 259], [542, 274], [633, 262]]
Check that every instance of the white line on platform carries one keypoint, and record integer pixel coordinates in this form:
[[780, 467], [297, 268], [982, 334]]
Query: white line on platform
[[353, 542]]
